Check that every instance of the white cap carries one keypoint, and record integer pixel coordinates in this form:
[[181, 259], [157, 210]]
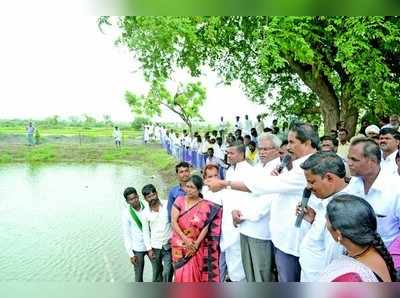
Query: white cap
[[372, 129]]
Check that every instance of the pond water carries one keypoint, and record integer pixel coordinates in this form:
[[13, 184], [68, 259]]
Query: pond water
[[63, 222]]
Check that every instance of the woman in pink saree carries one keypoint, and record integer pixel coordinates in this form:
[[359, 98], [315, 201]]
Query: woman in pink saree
[[196, 225]]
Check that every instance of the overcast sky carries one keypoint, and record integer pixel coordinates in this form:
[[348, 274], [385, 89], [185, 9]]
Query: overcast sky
[[63, 65]]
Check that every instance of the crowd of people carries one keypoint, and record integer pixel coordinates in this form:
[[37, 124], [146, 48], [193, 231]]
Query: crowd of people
[[272, 204]]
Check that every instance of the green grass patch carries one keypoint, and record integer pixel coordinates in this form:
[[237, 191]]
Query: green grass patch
[[73, 131], [151, 158], [43, 153], [5, 157], [117, 154]]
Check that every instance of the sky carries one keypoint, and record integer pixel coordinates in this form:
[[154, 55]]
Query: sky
[[63, 65]]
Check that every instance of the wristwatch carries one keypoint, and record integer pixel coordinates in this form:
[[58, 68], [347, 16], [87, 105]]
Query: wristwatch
[[229, 186]]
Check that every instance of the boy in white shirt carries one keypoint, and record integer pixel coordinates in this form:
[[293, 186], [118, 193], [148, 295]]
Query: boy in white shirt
[[132, 231]]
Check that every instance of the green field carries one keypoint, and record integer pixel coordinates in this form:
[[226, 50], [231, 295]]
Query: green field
[[151, 158], [72, 131], [74, 149]]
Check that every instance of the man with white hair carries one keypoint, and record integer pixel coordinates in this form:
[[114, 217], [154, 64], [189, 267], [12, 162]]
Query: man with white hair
[[394, 122], [253, 218]]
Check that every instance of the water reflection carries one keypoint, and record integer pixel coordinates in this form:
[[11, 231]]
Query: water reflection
[[62, 222]]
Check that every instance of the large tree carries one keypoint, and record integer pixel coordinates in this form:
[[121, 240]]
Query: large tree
[[185, 102], [334, 67]]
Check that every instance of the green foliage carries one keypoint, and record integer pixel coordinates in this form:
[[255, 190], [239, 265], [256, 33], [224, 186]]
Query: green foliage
[[5, 157], [89, 121], [107, 120], [139, 122], [41, 154], [313, 66], [53, 121], [186, 102], [120, 154], [37, 137]]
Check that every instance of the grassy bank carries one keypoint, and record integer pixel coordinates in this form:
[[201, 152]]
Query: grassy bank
[[151, 158], [72, 131]]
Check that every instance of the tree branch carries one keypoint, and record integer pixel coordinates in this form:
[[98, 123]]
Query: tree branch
[[173, 110]]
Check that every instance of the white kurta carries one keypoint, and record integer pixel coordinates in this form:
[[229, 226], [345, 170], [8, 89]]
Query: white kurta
[[230, 238], [289, 186]]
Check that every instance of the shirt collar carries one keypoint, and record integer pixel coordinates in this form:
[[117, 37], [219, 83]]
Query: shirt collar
[[240, 165], [379, 183], [300, 160], [179, 188], [391, 156], [326, 201]]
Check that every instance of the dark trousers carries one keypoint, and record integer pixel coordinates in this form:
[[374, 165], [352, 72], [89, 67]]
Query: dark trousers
[[162, 265], [288, 266], [139, 265], [223, 270], [257, 259]]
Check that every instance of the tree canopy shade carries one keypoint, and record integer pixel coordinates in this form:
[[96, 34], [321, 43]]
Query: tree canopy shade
[[330, 67], [186, 102]]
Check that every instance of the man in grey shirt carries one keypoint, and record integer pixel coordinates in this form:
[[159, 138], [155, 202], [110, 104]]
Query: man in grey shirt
[[30, 130]]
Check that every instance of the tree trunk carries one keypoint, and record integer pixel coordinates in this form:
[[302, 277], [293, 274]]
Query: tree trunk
[[349, 114], [319, 83], [329, 103], [189, 125], [330, 113]]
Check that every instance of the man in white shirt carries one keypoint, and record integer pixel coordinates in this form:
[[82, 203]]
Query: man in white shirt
[[253, 218], [259, 125], [247, 125], [156, 235], [289, 185], [30, 131], [394, 122], [325, 173], [132, 231], [219, 150], [117, 137], [186, 139], [344, 143], [157, 132], [221, 125], [211, 159], [379, 189], [238, 125], [389, 140], [231, 200], [146, 134]]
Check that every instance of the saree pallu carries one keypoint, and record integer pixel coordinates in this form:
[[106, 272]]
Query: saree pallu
[[394, 250], [203, 266], [346, 269]]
